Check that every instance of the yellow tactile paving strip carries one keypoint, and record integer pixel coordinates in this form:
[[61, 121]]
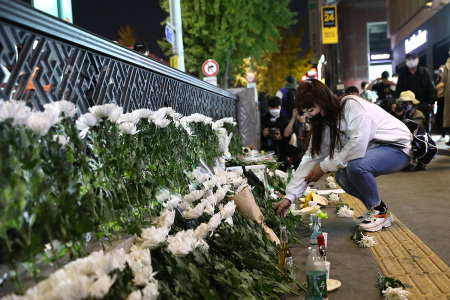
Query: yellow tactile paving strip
[[400, 253]]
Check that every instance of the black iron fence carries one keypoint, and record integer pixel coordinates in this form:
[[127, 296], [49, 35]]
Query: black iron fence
[[45, 59]]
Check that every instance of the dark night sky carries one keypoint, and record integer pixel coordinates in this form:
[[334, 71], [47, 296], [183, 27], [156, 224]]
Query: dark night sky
[[106, 17]]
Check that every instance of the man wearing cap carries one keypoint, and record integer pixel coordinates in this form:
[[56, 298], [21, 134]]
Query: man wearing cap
[[417, 79], [383, 86], [405, 108], [287, 95], [142, 48]]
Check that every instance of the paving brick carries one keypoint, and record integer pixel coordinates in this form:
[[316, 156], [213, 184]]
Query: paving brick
[[441, 281], [440, 263], [391, 266], [414, 250], [425, 285], [382, 251]]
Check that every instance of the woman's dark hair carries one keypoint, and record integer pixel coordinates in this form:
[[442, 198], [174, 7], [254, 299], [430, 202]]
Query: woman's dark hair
[[313, 92]]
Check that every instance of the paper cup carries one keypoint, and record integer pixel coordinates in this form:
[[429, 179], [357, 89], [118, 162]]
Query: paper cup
[[312, 203], [327, 266], [325, 238]]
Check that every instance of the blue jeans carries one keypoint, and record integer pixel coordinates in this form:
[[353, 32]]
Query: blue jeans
[[358, 179]]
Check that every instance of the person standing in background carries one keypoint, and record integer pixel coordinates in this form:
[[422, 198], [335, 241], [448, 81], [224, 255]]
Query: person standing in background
[[440, 91], [417, 79], [286, 94], [367, 94], [446, 80]]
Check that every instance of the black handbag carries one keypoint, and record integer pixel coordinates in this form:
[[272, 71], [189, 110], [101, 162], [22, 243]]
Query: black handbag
[[423, 146]]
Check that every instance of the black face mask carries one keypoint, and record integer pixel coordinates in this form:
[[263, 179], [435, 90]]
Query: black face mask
[[316, 120]]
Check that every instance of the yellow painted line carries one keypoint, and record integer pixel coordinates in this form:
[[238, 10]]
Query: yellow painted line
[[403, 255]]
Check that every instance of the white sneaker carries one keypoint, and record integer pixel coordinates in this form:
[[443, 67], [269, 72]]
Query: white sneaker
[[361, 218], [374, 221]]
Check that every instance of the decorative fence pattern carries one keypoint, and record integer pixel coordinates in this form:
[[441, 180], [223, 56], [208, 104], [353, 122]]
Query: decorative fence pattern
[[45, 59]]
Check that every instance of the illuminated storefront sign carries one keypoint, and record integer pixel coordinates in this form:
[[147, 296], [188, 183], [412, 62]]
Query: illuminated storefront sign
[[382, 56], [415, 41]]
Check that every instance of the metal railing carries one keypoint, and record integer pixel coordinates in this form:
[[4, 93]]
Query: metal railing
[[45, 59]]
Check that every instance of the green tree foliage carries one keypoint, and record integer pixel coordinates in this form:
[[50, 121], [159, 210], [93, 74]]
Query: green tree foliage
[[229, 31], [290, 59]]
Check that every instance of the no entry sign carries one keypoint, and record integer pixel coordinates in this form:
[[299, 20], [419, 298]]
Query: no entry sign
[[210, 68]]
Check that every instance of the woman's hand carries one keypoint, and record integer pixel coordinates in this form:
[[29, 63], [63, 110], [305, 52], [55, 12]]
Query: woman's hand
[[315, 174], [282, 207]]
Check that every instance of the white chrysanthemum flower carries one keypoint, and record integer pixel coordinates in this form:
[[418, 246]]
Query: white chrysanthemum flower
[[197, 118], [163, 123], [166, 218], [222, 180], [367, 241], [345, 212], [228, 210], [201, 231], [395, 294], [229, 120], [67, 108], [220, 194], [143, 276], [85, 122], [153, 236], [140, 256], [63, 107], [182, 243], [330, 179], [157, 115], [110, 111], [234, 173], [184, 205], [15, 110], [129, 117], [229, 220], [172, 203], [163, 195], [192, 196], [202, 243], [212, 200], [208, 120], [142, 113], [79, 287], [214, 222], [136, 295], [128, 128], [150, 292], [209, 209], [40, 122], [101, 286], [332, 185], [112, 260], [214, 126], [334, 197], [176, 116], [61, 139], [209, 184], [166, 111], [195, 212]]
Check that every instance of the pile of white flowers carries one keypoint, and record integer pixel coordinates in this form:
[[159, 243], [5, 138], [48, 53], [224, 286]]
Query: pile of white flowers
[[89, 276], [333, 197], [367, 241], [395, 294]]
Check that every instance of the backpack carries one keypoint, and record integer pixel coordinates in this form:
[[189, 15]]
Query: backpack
[[424, 148], [289, 104]]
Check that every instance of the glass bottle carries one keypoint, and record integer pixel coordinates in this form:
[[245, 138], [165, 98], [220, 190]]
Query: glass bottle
[[322, 249], [315, 227], [284, 255], [313, 292], [315, 266]]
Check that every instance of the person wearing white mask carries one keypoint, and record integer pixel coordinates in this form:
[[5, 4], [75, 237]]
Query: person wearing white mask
[[272, 126], [417, 79]]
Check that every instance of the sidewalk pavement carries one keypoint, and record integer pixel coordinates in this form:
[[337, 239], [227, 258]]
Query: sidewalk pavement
[[420, 202]]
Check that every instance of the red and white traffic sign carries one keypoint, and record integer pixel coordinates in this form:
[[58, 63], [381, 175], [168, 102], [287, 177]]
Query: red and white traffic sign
[[210, 68], [250, 77]]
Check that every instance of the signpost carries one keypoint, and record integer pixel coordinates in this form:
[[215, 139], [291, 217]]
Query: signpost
[[210, 69], [329, 25], [170, 36]]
